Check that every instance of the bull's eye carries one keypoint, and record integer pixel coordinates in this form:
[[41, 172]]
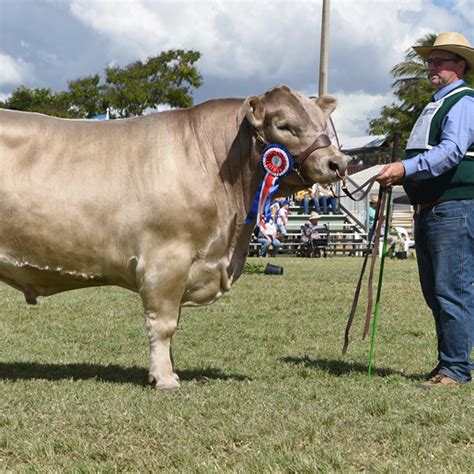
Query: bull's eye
[[285, 127]]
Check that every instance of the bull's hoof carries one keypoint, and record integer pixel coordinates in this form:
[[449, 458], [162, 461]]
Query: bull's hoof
[[171, 384], [168, 383]]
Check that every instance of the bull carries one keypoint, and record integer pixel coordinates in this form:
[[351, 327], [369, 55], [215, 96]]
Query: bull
[[86, 203]]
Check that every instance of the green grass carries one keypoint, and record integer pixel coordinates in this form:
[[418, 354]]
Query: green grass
[[264, 385]]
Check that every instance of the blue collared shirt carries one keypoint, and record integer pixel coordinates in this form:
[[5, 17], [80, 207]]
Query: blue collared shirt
[[456, 137]]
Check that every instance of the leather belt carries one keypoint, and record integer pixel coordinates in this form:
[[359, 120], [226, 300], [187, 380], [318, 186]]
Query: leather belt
[[425, 206]]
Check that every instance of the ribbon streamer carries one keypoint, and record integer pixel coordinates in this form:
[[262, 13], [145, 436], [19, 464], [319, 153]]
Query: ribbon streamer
[[277, 161]]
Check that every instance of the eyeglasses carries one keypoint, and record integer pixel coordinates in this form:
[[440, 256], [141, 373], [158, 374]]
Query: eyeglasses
[[438, 61]]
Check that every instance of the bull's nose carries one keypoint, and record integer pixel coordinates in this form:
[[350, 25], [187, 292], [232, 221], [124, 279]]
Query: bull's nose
[[339, 166]]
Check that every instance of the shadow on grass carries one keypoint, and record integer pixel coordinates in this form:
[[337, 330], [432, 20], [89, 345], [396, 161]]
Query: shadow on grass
[[103, 373], [341, 367]]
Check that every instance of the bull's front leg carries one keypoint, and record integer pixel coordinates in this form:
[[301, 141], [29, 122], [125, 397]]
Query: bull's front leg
[[162, 283]]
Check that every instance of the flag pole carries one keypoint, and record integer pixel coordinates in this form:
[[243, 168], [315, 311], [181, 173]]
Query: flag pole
[[324, 54]]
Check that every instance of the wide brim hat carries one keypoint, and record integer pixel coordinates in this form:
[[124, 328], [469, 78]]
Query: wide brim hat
[[374, 200], [314, 215], [452, 42]]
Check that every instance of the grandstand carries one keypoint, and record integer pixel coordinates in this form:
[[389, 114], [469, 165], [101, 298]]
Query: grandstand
[[347, 231]]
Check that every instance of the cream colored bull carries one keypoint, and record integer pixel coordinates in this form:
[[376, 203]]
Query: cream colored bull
[[155, 204]]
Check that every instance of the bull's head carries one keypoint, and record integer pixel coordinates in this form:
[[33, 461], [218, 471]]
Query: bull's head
[[286, 117]]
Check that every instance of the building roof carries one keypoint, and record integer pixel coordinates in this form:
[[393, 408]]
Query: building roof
[[367, 143]]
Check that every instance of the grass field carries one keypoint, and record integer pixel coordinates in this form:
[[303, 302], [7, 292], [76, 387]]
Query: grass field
[[264, 385]]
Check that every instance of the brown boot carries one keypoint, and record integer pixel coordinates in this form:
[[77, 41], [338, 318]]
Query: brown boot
[[439, 380], [433, 372]]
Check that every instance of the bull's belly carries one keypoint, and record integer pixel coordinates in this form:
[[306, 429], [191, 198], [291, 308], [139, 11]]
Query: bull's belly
[[34, 281]]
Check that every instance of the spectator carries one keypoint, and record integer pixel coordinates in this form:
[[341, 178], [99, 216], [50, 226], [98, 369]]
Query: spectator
[[282, 220], [311, 235], [304, 199], [268, 234], [374, 200], [323, 194]]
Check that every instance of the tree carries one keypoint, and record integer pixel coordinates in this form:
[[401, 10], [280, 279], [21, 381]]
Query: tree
[[41, 100], [84, 96], [164, 79], [413, 92]]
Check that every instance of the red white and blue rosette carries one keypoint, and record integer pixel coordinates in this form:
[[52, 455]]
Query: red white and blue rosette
[[277, 162]]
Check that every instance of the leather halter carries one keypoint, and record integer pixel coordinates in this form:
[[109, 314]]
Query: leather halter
[[322, 141]]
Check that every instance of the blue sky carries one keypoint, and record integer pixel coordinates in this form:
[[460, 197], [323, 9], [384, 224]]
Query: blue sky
[[247, 46]]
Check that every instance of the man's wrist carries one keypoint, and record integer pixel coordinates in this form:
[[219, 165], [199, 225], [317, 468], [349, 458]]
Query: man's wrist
[[409, 167]]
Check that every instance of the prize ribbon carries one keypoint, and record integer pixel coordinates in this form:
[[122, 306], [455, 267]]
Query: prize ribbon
[[277, 162]]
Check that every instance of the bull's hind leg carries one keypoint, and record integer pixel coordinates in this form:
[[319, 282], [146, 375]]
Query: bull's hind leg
[[161, 290]]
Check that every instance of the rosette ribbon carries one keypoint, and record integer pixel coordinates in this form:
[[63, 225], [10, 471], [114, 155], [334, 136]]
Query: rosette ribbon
[[277, 162]]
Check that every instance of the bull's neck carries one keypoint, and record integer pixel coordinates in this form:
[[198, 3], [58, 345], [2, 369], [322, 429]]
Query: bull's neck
[[229, 142]]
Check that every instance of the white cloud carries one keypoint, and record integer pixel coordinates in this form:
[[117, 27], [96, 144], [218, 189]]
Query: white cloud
[[232, 40], [353, 111], [13, 71], [270, 40], [462, 8]]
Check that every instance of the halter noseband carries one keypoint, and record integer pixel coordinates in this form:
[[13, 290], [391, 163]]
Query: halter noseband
[[322, 141]]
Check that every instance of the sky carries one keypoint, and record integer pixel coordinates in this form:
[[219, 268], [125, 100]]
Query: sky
[[247, 47]]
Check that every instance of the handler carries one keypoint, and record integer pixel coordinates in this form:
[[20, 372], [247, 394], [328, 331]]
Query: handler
[[438, 177]]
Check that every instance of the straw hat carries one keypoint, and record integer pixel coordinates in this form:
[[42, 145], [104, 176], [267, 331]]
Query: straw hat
[[374, 200], [452, 42], [314, 215]]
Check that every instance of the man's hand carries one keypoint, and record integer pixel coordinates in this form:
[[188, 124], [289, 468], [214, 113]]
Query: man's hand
[[391, 174]]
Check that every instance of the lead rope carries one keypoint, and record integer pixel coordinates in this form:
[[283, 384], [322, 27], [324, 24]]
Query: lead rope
[[376, 230], [373, 248], [375, 252], [364, 188]]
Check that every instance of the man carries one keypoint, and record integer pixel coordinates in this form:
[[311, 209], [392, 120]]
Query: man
[[438, 177], [311, 239]]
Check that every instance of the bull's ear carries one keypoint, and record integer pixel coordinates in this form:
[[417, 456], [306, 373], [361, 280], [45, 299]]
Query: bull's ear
[[255, 111], [327, 103]]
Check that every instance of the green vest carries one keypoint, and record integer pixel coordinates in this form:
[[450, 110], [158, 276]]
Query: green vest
[[458, 182]]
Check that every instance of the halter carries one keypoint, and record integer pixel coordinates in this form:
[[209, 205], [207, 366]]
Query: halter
[[321, 141]]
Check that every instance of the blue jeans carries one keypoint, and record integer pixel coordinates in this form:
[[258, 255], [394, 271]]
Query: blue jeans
[[282, 229], [265, 244], [324, 204], [306, 201], [444, 240]]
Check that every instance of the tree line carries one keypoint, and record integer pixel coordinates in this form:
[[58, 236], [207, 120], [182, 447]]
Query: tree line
[[126, 91]]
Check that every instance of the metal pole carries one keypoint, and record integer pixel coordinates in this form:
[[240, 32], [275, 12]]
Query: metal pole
[[323, 59]]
